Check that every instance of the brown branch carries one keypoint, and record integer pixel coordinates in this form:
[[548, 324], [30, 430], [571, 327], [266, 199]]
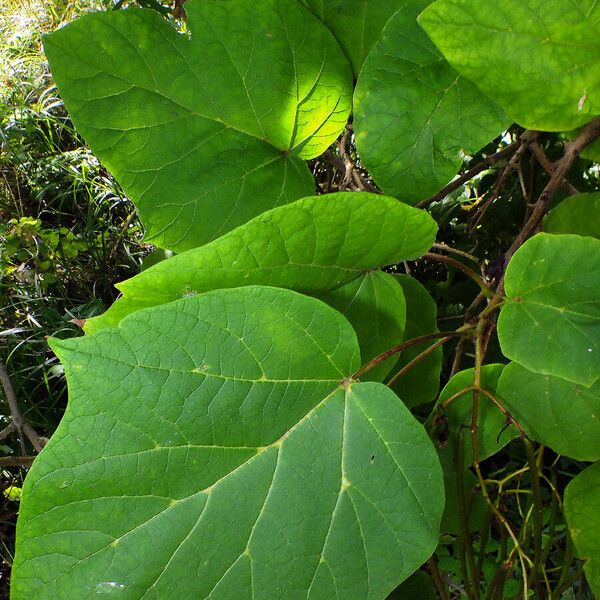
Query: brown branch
[[572, 150], [16, 461], [408, 344], [461, 267], [468, 175], [513, 163], [549, 167], [20, 425], [417, 359]]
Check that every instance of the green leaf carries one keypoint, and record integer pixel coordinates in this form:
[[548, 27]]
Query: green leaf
[[356, 24], [554, 412], [207, 130], [550, 321], [535, 58], [492, 433], [422, 383], [415, 117], [577, 214], [375, 306], [313, 245], [592, 151], [215, 445], [582, 511]]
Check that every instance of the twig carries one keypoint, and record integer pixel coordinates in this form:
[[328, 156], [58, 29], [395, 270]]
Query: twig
[[417, 359], [409, 344], [19, 423], [549, 167], [438, 580], [468, 175], [461, 267], [572, 150], [451, 250], [16, 461], [513, 163]]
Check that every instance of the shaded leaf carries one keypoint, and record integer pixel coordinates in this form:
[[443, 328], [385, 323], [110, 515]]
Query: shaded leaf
[[550, 322], [209, 445], [577, 214], [415, 117], [582, 511], [418, 585], [207, 130], [313, 245], [535, 58], [375, 306], [554, 412], [422, 383]]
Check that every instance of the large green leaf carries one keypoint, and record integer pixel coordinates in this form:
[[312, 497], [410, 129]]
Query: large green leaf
[[536, 58], [313, 245], [582, 510], [550, 322], [356, 24], [422, 383], [554, 412], [415, 117], [577, 214], [204, 131], [375, 306], [215, 445]]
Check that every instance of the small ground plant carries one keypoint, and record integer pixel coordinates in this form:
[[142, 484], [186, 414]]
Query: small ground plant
[[368, 363]]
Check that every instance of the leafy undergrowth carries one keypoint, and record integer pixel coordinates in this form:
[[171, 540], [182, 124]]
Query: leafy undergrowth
[[67, 233]]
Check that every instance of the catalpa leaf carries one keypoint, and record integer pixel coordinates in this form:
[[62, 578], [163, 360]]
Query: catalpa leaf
[[582, 511], [415, 117], [571, 412], [550, 322], [421, 383], [216, 444], [375, 306], [577, 214], [207, 130], [314, 245], [356, 25], [535, 58]]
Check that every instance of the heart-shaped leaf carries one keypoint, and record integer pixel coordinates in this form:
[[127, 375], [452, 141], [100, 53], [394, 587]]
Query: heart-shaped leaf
[[415, 117], [216, 444], [207, 130], [550, 322], [314, 245], [577, 214], [356, 24], [554, 412], [582, 510], [536, 58]]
